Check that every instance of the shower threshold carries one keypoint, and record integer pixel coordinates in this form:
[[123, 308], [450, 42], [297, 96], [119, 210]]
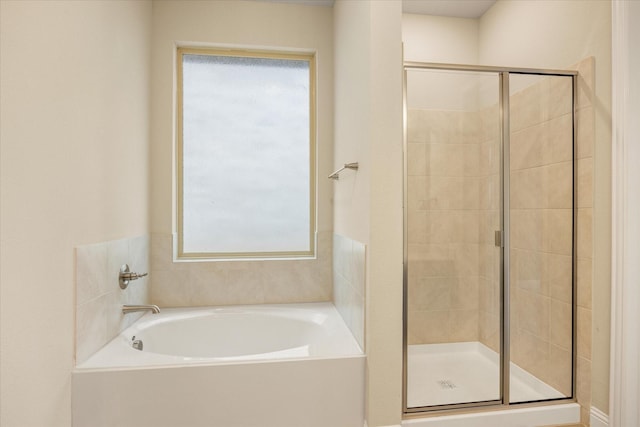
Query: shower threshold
[[442, 374]]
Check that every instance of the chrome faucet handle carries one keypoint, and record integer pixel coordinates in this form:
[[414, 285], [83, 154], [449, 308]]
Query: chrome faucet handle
[[127, 275]]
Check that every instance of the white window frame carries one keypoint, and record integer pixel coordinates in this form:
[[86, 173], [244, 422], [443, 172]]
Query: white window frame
[[310, 252]]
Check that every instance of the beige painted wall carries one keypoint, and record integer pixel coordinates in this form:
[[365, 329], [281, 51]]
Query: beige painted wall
[[74, 170], [442, 39], [558, 34], [234, 23], [240, 24], [352, 132], [368, 206]]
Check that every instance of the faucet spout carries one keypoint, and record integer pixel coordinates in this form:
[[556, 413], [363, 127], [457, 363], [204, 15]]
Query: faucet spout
[[132, 308]]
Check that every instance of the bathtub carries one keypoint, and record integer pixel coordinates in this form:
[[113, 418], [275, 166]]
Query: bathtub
[[268, 365]]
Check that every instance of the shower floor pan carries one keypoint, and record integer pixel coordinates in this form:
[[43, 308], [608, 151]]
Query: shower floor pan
[[441, 374]]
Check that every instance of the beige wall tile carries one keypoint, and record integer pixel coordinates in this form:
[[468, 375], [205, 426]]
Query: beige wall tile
[[528, 271], [445, 192], [526, 147], [585, 182], [99, 298], [467, 259], [489, 333], [463, 325], [525, 108], [558, 273], [557, 93], [431, 267], [525, 229], [348, 278], [418, 131], [431, 293], [583, 381], [489, 261], [447, 159], [528, 188], [490, 122], [471, 192], [533, 314], [445, 227], [560, 324], [489, 300], [586, 73], [91, 272], [471, 156], [489, 157], [464, 293], [426, 327], [416, 158], [529, 352], [584, 272], [559, 372], [489, 222], [558, 140], [418, 227], [585, 233], [470, 226], [91, 329], [559, 185], [584, 333], [585, 132], [161, 252], [558, 231]]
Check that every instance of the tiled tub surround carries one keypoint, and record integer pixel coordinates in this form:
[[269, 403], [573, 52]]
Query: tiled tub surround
[[215, 283], [99, 299], [349, 283], [451, 218]]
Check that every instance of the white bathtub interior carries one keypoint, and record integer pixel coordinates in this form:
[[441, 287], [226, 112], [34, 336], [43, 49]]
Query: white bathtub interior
[[230, 334]]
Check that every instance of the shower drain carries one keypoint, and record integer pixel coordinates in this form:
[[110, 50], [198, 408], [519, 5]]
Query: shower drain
[[446, 384]]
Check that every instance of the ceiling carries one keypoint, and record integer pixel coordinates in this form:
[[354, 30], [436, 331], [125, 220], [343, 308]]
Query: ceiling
[[454, 8]]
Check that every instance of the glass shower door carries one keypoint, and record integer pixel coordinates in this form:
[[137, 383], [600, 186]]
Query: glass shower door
[[541, 215], [452, 207]]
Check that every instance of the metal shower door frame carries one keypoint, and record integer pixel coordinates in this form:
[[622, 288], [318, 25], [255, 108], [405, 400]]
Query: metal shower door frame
[[503, 74]]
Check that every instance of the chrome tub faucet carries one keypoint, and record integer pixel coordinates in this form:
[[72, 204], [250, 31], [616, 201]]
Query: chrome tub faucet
[[130, 308]]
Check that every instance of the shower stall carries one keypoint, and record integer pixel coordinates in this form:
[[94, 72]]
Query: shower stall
[[489, 236]]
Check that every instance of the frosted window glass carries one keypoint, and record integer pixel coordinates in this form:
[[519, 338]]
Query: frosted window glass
[[246, 155]]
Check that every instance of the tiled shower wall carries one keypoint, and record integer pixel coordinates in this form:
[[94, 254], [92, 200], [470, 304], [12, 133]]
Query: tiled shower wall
[[445, 211], [489, 291], [99, 298], [349, 283]]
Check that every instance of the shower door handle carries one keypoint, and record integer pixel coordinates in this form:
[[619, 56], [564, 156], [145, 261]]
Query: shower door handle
[[498, 238]]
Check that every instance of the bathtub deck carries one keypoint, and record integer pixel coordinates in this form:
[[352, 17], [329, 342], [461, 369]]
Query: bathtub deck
[[318, 387]]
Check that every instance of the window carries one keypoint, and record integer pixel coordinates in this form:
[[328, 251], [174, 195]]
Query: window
[[245, 154]]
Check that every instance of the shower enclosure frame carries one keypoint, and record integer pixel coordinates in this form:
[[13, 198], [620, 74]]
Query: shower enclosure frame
[[503, 74]]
